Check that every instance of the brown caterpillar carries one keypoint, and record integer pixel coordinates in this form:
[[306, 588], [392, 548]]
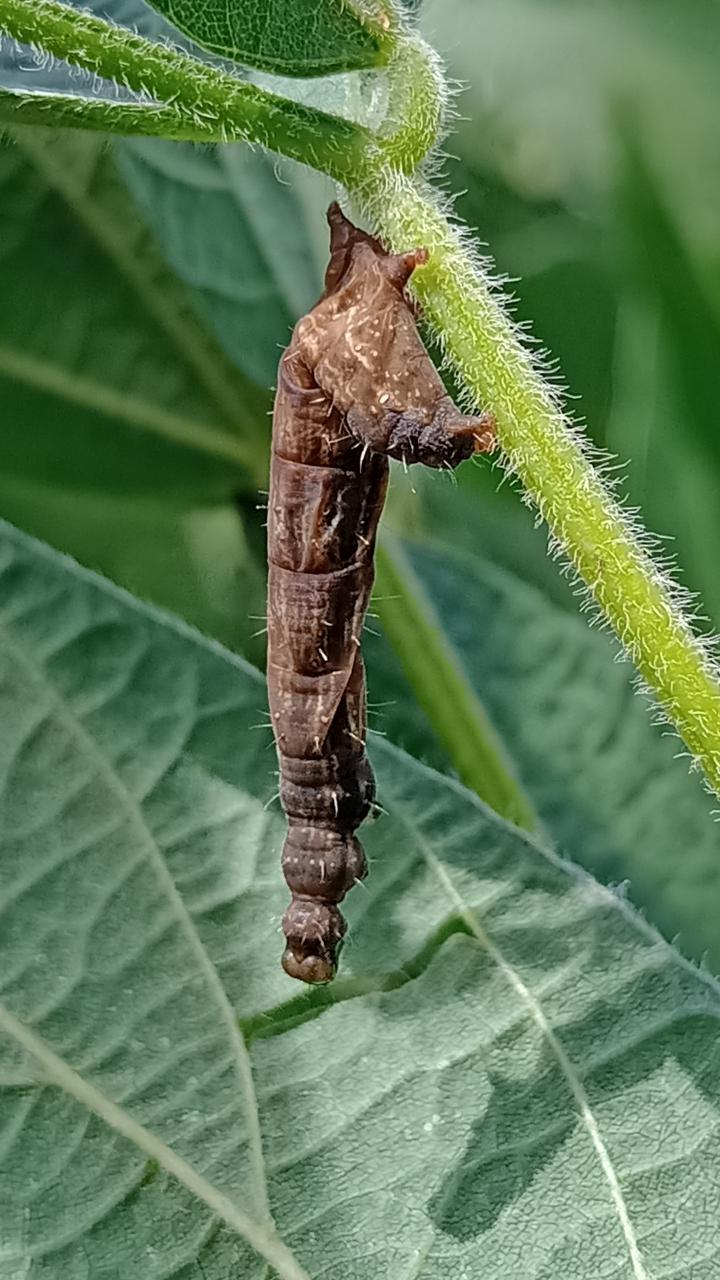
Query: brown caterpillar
[[355, 388]]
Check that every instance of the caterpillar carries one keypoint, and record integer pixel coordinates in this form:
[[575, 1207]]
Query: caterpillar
[[355, 388]]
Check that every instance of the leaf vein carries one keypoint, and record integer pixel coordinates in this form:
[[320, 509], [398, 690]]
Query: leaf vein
[[536, 1011], [261, 1236], [127, 802]]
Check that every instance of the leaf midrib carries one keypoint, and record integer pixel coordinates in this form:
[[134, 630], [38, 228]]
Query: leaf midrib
[[537, 1013], [90, 747], [179, 630], [262, 1237], [227, 392], [43, 375]]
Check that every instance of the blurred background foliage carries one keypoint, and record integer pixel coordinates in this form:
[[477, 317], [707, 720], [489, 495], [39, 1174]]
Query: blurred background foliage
[[149, 287]]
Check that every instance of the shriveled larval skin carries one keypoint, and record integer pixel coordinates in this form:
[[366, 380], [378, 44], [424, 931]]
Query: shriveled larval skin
[[355, 387]]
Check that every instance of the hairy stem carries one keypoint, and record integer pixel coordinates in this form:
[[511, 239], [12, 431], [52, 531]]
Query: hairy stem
[[189, 99], [59, 111], [416, 100], [551, 460]]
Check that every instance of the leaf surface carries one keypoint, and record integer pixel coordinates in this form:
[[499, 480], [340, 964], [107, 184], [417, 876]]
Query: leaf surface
[[235, 236], [99, 341], [292, 37], [515, 1077], [606, 781], [127, 433]]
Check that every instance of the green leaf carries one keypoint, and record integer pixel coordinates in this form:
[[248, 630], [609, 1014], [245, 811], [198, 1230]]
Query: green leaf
[[293, 37], [562, 257], [666, 374], [127, 434], [606, 782], [185, 554], [456, 714], [658, 261], [235, 235], [121, 384], [534, 1092], [199, 102]]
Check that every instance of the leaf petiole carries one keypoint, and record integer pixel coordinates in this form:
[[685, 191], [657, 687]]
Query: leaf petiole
[[185, 99]]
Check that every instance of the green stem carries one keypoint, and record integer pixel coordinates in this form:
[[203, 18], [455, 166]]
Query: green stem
[[442, 688], [552, 461], [416, 101], [192, 100], [61, 111]]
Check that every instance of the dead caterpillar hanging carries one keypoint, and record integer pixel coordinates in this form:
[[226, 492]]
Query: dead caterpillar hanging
[[355, 388]]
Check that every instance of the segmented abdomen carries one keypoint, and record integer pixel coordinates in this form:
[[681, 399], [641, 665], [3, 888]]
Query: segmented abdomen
[[325, 503]]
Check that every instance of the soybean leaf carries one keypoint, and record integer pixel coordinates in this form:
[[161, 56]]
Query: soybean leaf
[[606, 781], [192, 556], [99, 346], [458, 718], [657, 262], [235, 236], [292, 37], [126, 431], [531, 1090]]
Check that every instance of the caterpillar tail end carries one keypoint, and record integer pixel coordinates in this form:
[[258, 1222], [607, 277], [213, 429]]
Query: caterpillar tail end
[[311, 969], [314, 932]]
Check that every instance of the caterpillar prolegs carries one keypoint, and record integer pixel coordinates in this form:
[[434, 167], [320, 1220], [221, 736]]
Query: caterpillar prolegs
[[355, 388]]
